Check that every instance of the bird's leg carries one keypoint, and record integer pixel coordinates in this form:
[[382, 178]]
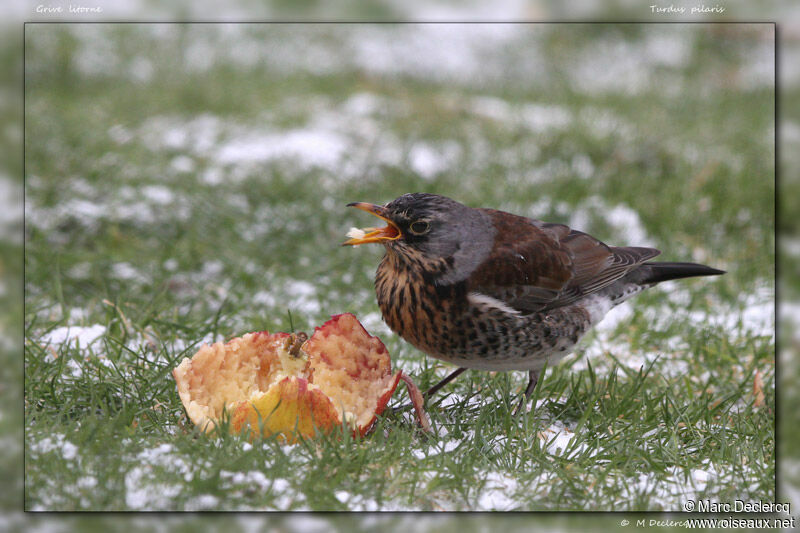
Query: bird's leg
[[433, 390], [533, 379], [450, 377]]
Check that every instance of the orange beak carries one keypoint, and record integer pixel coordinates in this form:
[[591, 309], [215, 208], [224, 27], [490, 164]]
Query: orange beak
[[389, 233]]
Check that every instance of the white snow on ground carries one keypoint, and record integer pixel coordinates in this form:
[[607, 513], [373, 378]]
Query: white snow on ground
[[673, 490], [364, 103], [558, 439], [77, 336], [199, 134], [145, 492], [158, 194], [332, 138], [462, 54], [754, 316], [204, 502], [497, 493], [300, 296], [356, 502], [87, 342], [536, 117], [457, 399], [142, 492], [254, 478], [303, 296], [324, 140], [628, 225], [624, 221], [452, 52], [126, 271], [55, 442], [540, 118], [307, 148], [145, 206], [436, 448], [347, 146], [285, 496], [428, 160], [374, 324]]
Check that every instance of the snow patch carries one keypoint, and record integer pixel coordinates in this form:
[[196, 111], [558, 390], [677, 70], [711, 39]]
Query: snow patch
[[56, 442], [83, 337], [538, 118], [253, 477], [126, 271], [558, 437], [202, 503], [142, 492], [158, 194], [428, 160], [302, 296], [308, 147], [627, 223], [437, 448], [624, 221], [752, 315], [675, 488], [497, 493], [363, 104]]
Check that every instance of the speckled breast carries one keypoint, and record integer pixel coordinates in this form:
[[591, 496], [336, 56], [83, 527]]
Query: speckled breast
[[440, 321]]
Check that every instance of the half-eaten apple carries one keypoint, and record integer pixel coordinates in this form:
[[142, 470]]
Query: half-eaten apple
[[282, 384]]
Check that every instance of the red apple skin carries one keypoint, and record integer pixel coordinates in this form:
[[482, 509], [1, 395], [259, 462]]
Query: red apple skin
[[372, 361]]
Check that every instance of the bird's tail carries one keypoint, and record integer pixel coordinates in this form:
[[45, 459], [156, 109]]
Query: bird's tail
[[649, 273]]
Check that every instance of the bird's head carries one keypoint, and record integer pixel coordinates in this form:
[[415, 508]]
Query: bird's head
[[426, 224]]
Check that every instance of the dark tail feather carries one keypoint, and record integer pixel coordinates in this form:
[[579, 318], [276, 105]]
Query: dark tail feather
[[658, 272]]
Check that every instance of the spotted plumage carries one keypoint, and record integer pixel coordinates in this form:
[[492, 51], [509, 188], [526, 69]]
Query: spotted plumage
[[486, 289]]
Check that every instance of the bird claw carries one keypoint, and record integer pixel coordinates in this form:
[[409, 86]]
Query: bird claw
[[418, 402]]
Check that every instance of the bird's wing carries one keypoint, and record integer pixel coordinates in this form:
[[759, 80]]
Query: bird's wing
[[536, 266]]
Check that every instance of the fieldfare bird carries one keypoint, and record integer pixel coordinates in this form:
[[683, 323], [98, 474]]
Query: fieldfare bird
[[485, 289]]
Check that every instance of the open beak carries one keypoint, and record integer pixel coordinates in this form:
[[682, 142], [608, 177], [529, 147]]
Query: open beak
[[389, 233]]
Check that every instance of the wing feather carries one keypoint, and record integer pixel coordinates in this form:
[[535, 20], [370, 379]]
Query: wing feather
[[536, 266]]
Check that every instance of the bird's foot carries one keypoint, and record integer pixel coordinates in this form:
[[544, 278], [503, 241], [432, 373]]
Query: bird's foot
[[533, 379], [418, 402], [430, 392]]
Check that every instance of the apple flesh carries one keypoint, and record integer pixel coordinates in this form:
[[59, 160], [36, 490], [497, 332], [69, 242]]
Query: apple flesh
[[275, 384]]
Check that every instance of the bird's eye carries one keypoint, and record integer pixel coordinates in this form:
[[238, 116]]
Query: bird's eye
[[419, 227]]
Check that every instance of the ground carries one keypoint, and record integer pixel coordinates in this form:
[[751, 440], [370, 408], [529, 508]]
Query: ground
[[187, 184]]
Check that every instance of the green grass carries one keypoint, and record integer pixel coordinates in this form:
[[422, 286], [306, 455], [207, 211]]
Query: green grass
[[122, 235]]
